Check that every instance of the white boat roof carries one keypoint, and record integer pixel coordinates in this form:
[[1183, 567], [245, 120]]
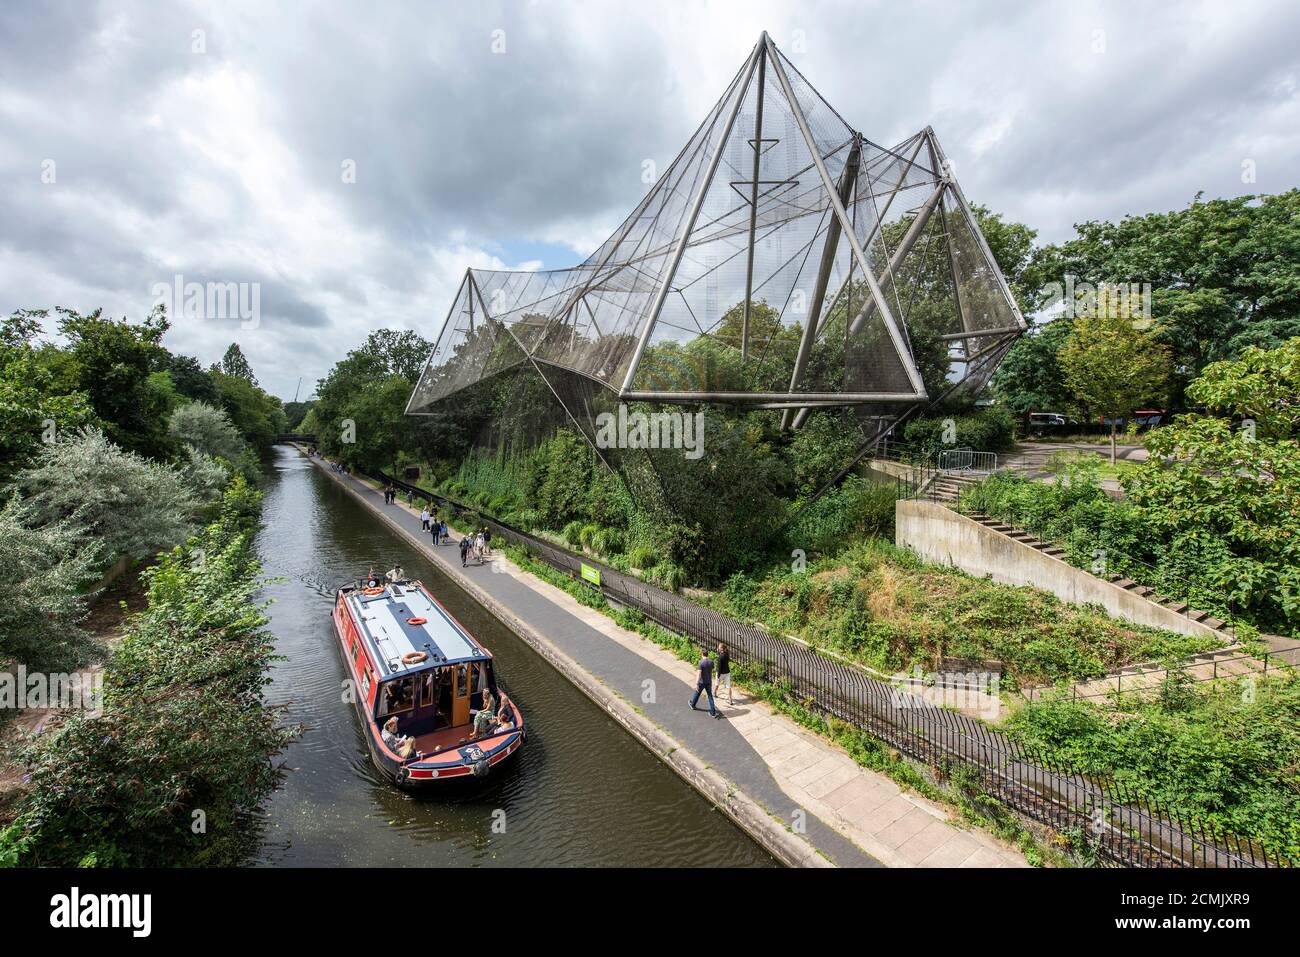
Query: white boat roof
[[385, 623]]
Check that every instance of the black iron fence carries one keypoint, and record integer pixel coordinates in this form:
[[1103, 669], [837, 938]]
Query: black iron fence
[[1122, 827]]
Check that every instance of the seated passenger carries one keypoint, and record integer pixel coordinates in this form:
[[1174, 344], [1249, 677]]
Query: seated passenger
[[401, 744], [396, 574], [484, 719]]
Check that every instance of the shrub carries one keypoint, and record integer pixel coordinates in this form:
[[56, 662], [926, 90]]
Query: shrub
[[643, 557], [856, 508], [607, 541], [132, 505], [989, 430], [572, 534], [185, 726]]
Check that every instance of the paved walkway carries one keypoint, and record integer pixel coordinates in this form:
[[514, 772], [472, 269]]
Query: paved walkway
[[853, 817]]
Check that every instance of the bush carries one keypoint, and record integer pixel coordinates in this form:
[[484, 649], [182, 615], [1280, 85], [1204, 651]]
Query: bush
[[132, 505], [607, 541], [857, 507], [184, 728], [642, 557], [572, 534], [47, 568], [991, 429]]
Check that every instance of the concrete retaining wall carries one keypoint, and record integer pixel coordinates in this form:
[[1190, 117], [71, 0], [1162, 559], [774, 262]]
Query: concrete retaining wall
[[938, 534]]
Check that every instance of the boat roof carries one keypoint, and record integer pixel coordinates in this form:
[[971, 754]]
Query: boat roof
[[389, 634]]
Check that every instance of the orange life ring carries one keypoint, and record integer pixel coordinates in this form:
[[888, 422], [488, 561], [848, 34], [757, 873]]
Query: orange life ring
[[417, 621], [414, 657], [373, 591]]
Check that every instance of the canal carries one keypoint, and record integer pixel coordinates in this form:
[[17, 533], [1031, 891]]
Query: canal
[[583, 792]]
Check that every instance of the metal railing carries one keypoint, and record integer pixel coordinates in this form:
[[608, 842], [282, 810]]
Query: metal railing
[[1123, 827], [967, 460]]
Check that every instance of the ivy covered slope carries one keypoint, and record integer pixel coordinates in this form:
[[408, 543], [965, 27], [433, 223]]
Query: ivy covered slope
[[175, 768]]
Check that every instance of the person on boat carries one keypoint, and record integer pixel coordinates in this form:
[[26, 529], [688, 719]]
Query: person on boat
[[400, 744], [484, 719], [396, 574]]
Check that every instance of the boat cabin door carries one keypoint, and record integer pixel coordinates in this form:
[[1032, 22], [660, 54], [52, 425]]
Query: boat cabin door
[[460, 697]]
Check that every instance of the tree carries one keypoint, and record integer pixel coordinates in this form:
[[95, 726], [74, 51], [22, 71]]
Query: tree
[[234, 364], [258, 416], [1111, 367], [1224, 273], [1030, 378], [359, 415], [207, 430], [37, 400], [1226, 497], [130, 504], [118, 365]]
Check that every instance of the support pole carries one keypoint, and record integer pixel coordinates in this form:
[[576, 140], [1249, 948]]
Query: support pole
[[689, 223], [913, 233], [895, 334], [753, 202], [848, 178]]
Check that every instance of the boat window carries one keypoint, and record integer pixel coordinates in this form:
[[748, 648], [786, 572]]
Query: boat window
[[397, 696]]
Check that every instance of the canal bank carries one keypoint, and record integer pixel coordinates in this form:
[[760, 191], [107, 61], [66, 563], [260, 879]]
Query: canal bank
[[799, 795]]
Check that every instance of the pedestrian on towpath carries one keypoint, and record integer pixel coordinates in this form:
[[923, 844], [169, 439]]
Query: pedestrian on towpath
[[704, 683], [424, 520], [724, 671], [464, 552]]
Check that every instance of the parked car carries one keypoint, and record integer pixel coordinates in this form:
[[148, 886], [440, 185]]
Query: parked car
[[1046, 423]]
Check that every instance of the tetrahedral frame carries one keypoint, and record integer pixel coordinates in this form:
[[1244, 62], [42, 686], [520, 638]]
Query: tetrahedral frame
[[782, 261]]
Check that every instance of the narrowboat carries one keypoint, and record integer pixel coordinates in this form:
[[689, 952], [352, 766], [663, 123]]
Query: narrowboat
[[414, 664]]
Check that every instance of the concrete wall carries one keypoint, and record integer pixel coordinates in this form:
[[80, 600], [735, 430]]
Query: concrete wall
[[938, 534]]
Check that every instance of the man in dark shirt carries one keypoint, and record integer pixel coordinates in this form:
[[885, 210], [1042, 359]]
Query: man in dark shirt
[[704, 682]]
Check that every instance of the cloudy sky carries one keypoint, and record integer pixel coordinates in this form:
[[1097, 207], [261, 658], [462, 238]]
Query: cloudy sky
[[352, 159]]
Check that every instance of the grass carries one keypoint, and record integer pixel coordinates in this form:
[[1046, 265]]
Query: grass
[[880, 606], [1225, 754]]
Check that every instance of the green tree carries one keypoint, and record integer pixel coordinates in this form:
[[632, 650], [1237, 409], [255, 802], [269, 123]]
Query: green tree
[[1223, 487], [206, 429], [1225, 273], [1112, 367], [233, 363], [118, 365]]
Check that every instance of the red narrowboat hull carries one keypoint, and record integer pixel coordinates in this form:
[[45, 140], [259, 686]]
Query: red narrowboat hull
[[456, 758]]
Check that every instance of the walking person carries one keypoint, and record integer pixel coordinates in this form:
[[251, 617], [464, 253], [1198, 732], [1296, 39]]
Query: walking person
[[446, 533], [424, 520], [724, 671], [487, 540], [704, 682], [464, 552]]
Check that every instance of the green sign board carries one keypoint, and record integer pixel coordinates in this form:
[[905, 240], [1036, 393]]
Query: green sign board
[[590, 574]]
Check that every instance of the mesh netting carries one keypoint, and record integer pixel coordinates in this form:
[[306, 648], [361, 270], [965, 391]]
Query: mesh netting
[[781, 259]]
